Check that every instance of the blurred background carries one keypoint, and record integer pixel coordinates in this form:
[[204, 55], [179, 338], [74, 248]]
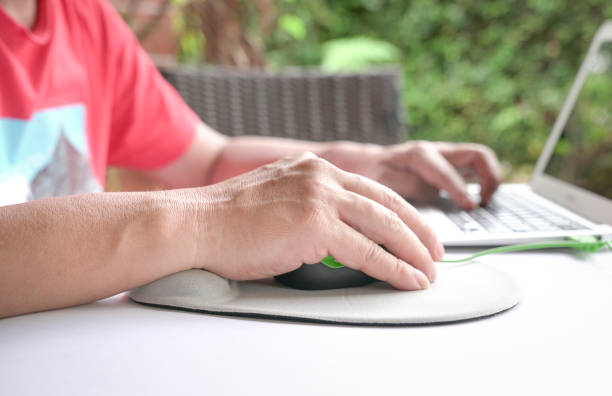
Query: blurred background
[[494, 72]]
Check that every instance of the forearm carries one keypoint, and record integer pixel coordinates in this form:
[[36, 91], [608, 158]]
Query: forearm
[[244, 153], [213, 157], [70, 250]]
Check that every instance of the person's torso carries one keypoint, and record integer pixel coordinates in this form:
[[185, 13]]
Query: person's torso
[[46, 106]]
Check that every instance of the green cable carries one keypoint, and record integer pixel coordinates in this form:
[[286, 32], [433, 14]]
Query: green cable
[[589, 247], [584, 244]]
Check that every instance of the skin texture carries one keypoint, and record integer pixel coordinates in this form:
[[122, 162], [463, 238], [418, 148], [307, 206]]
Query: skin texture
[[70, 250], [299, 210], [416, 170], [256, 216], [64, 251], [22, 11]]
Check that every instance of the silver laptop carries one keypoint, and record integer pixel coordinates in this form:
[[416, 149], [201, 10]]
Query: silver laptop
[[570, 193]]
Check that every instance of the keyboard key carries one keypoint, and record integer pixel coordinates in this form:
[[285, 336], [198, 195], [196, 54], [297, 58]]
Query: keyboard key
[[509, 212]]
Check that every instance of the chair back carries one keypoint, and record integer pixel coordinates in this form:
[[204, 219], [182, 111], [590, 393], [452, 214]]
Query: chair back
[[298, 103]]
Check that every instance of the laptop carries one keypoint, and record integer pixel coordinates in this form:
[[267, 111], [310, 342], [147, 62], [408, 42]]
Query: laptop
[[570, 192]]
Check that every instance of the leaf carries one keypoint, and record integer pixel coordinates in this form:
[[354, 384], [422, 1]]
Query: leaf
[[293, 25], [356, 53]]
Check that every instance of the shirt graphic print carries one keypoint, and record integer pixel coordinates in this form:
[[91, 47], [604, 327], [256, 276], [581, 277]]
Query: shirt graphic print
[[45, 156]]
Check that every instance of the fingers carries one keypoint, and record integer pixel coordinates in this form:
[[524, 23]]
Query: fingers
[[392, 201], [426, 161], [385, 227], [409, 185], [479, 158], [358, 252], [364, 215]]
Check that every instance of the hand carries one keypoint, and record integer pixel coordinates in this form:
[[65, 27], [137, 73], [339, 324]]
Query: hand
[[418, 170], [299, 210]]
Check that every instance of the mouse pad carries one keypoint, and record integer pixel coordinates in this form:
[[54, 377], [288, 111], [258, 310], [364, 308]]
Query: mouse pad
[[461, 292]]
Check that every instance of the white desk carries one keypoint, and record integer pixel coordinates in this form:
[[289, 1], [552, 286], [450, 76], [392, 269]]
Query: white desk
[[558, 340]]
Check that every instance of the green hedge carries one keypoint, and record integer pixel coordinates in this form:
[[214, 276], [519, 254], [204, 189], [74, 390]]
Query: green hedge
[[494, 71]]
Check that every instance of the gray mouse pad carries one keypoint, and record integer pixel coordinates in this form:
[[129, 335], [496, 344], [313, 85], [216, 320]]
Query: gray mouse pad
[[460, 292]]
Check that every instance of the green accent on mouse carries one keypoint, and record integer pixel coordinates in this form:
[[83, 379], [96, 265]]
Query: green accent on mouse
[[331, 262]]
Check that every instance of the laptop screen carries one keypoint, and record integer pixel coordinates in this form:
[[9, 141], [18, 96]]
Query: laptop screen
[[583, 153]]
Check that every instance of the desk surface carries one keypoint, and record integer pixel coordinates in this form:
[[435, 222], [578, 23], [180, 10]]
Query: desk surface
[[558, 340]]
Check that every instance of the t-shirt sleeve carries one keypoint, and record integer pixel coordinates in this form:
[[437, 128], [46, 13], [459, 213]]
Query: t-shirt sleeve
[[151, 126]]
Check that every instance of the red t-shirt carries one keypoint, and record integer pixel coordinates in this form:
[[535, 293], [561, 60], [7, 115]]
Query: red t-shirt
[[79, 88]]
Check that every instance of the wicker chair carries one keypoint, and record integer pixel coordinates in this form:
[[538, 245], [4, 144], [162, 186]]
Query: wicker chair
[[298, 103]]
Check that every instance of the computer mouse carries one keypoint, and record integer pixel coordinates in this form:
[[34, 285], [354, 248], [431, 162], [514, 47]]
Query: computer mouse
[[321, 277]]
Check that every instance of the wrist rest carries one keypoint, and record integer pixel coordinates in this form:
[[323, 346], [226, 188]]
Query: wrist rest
[[460, 292]]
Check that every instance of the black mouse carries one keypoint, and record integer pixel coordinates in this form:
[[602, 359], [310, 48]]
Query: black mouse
[[321, 277]]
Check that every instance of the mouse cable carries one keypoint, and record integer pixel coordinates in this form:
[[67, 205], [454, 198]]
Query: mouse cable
[[583, 244], [587, 244]]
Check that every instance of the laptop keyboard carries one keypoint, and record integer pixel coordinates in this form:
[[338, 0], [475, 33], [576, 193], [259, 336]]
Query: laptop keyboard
[[510, 212]]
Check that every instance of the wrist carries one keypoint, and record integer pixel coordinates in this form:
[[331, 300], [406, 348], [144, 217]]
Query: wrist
[[353, 157], [173, 226]]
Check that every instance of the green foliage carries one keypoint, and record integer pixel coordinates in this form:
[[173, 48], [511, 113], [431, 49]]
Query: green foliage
[[356, 53], [292, 25], [494, 72], [191, 44], [192, 40]]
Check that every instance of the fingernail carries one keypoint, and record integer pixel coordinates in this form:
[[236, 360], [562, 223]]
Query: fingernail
[[440, 252], [422, 279], [432, 275]]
